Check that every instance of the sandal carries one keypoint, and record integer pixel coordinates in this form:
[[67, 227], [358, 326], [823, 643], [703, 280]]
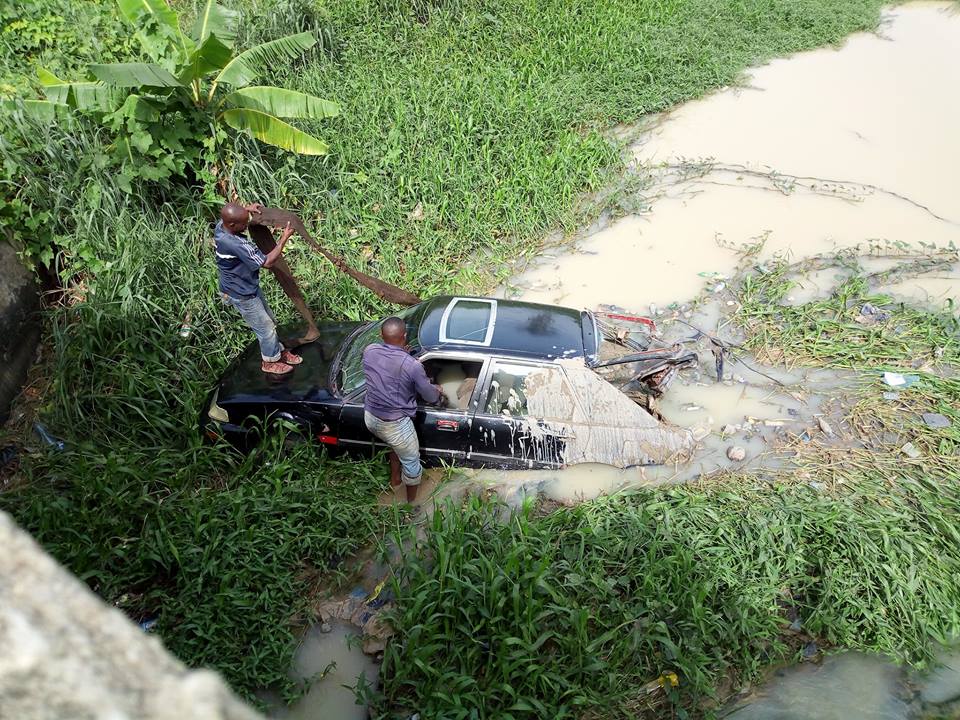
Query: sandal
[[276, 368], [290, 358]]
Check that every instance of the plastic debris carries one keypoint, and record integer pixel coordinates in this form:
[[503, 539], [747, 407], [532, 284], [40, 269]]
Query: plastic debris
[[796, 626], [810, 649], [936, 420], [897, 380], [825, 426], [186, 329], [891, 396], [871, 314], [8, 454], [148, 624], [45, 435], [910, 451], [719, 287], [326, 628], [736, 453], [712, 275]]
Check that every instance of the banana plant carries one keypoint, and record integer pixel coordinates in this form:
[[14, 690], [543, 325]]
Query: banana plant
[[197, 74]]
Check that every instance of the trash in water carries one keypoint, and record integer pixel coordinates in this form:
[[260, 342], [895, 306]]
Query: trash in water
[[936, 420], [47, 437], [148, 624], [712, 275], [891, 396], [897, 380], [871, 314], [810, 650], [718, 287], [825, 426], [736, 453], [910, 451], [796, 626]]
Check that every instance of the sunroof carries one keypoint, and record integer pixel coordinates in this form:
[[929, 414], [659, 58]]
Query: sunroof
[[468, 321]]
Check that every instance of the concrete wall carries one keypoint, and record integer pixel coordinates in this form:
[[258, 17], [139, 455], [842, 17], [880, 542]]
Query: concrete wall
[[19, 324], [65, 655]]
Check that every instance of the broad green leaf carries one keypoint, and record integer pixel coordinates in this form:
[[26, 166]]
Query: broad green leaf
[[39, 110], [283, 103], [214, 19], [140, 108], [157, 27], [86, 96], [134, 75], [211, 55], [274, 131], [133, 10], [246, 66], [48, 78]]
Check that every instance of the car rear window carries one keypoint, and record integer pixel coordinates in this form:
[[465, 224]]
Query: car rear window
[[468, 321]]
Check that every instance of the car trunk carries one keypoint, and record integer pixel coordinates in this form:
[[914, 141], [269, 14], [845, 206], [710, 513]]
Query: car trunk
[[245, 384]]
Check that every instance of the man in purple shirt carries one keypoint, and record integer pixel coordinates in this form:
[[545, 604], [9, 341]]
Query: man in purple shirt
[[394, 378]]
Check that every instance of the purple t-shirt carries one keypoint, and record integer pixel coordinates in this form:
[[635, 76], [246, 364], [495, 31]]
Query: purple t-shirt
[[394, 378]]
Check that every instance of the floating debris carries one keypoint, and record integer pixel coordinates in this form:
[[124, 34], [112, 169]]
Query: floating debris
[[910, 451], [736, 453], [936, 420]]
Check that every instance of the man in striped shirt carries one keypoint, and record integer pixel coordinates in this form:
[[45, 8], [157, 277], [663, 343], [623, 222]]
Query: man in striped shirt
[[239, 262]]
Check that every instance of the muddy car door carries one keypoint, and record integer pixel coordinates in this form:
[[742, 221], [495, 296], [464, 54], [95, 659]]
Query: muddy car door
[[444, 428], [504, 433]]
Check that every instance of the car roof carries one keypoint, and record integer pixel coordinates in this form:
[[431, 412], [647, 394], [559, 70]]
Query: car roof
[[505, 327]]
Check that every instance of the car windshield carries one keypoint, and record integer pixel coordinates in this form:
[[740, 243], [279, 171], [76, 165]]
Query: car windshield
[[351, 373]]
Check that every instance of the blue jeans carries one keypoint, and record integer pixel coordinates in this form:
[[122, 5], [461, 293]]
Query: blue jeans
[[401, 436], [257, 315]]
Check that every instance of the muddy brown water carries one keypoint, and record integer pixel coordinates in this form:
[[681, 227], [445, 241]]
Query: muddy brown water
[[855, 146], [870, 130]]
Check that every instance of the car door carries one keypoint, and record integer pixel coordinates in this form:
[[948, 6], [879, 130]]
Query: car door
[[443, 432], [504, 433]]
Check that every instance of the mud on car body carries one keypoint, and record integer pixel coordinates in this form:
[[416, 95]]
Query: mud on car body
[[518, 379]]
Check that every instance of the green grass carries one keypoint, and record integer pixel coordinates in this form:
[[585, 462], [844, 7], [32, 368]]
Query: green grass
[[826, 331], [491, 117]]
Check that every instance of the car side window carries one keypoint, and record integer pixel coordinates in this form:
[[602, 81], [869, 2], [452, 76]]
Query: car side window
[[506, 395]]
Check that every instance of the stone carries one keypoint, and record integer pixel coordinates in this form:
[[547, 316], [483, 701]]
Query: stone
[[736, 453], [66, 654]]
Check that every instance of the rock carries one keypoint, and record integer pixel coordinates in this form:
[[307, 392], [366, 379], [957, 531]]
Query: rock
[[66, 654], [736, 453], [325, 627]]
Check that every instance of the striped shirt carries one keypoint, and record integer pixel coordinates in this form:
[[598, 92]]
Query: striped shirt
[[239, 262]]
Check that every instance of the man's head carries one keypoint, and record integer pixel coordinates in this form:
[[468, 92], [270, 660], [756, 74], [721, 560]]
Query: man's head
[[235, 217], [394, 331]]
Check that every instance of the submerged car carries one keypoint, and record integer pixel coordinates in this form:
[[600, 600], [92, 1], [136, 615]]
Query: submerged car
[[518, 377]]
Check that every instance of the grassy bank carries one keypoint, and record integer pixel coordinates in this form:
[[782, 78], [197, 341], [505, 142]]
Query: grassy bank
[[468, 130], [575, 613]]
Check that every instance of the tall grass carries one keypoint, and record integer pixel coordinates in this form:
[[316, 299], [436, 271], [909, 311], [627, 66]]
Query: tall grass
[[469, 128]]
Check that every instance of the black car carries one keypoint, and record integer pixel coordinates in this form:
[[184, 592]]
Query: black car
[[518, 378]]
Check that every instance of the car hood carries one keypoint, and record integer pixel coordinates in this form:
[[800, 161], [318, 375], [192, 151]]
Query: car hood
[[244, 382]]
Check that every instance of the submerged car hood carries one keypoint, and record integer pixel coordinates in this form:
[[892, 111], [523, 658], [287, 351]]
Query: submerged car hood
[[245, 382]]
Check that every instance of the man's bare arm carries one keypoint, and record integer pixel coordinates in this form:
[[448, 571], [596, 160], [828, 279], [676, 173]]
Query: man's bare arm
[[277, 251]]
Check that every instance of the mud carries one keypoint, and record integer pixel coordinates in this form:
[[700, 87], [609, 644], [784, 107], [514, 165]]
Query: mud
[[828, 149]]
